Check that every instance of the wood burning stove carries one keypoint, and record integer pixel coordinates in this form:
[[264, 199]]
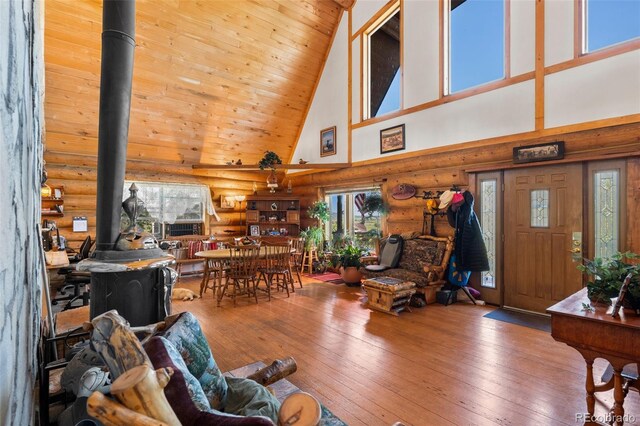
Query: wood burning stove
[[129, 272]]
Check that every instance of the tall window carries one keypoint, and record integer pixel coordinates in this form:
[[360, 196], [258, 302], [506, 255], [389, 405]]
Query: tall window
[[382, 72], [488, 219], [609, 22], [606, 207], [354, 215], [476, 31]]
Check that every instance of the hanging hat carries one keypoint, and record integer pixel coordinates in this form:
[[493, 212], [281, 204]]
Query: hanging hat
[[432, 206], [445, 199], [457, 201]]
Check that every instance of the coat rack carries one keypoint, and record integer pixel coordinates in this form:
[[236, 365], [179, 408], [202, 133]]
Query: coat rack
[[426, 215]]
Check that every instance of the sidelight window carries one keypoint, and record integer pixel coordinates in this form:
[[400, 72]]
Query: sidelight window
[[488, 223]]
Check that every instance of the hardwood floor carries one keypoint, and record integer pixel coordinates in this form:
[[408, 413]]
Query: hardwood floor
[[434, 366]]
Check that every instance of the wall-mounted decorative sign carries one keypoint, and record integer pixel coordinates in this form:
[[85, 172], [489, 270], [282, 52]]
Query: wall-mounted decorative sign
[[403, 191], [328, 141], [392, 139], [79, 224], [539, 152]]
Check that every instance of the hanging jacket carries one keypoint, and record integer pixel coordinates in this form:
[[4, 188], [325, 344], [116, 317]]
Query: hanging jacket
[[470, 249]]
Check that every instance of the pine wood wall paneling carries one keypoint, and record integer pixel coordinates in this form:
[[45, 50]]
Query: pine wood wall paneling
[[218, 81]]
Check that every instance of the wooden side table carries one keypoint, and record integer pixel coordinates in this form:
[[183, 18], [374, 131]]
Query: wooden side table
[[389, 295]]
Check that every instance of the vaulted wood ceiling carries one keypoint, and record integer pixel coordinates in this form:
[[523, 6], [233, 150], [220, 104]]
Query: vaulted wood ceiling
[[213, 81]]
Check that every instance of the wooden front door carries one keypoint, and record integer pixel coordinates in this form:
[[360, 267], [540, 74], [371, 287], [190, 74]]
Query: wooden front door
[[542, 225]]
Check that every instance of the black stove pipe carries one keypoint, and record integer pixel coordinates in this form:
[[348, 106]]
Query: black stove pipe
[[118, 43]]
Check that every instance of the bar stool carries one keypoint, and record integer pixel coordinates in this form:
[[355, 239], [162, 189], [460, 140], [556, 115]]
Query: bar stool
[[310, 255]]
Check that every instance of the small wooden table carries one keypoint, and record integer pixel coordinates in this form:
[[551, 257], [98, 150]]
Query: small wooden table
[[389, 295], [595, 334]]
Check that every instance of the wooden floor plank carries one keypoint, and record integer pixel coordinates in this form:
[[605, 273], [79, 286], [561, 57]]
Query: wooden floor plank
[[437, 365], [434, 366]]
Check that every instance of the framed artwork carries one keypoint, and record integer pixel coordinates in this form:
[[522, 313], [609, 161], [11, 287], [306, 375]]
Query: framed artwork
[[539, 152], [328, 141], [254, 230], [227, 201], [392, 139]]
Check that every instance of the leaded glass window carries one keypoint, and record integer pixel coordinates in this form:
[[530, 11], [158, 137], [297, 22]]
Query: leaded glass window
[[606, 189], [540, 208], [488, 218]]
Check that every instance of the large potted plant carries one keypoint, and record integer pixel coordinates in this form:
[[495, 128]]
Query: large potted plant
[[349, 263], [605, 277]]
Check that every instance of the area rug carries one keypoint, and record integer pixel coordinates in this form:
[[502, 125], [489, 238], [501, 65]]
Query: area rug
[[327, 277], [539, 322]]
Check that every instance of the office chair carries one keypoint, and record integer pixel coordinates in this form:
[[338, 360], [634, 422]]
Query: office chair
[[75, 280]]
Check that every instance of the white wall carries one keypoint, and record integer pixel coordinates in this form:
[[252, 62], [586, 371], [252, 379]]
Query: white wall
[[421, 67], [602, 89], [330, 104], [455, 122]]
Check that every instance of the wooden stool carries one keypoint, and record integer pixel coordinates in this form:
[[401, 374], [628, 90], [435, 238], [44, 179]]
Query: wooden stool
[[309, 256], [389, 295]]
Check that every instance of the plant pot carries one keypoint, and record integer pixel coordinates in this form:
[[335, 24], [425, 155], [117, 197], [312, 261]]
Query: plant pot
[[351, 275]]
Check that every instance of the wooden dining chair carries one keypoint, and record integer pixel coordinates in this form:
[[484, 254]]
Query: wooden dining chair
[[241, 277], [297, 245], [215, 271], [277, 268]]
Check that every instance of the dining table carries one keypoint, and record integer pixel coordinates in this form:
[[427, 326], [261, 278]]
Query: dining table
[[215, 258]]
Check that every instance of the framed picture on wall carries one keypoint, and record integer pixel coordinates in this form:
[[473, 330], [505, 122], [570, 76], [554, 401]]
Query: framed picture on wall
[[392, 139], [328, 141], [540, 152], [254, 230], [227, 201]]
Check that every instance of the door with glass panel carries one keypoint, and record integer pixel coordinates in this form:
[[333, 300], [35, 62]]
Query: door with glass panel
[[543, 224]]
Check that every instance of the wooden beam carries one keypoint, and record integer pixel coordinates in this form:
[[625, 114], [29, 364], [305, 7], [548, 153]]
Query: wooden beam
[[329, 166]]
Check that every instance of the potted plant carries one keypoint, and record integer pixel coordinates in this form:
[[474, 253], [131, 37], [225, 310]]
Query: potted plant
[[319, 210], [270, 158], [349, 260], [605, 277], [312, 237]]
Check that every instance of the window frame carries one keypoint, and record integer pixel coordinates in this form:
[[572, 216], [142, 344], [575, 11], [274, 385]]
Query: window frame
[[365, 62], [446, 50], [581, 36]]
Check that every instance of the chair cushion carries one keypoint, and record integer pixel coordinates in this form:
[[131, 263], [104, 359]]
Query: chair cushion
[[376, 268], [187, 337], [184, 393], [391, 251]]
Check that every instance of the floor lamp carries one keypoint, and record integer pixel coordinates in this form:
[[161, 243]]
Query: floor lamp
[[240, 199]]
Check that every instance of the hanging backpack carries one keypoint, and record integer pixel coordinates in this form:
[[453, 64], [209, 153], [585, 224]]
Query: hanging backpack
[[456, 277]]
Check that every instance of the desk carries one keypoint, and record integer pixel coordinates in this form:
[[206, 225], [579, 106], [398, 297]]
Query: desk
[[597, 335]]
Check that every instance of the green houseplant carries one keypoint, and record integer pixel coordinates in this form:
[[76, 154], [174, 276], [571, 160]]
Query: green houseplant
[[348, 259], [313, 237], [319, 210], [605, 277], [270, 158]]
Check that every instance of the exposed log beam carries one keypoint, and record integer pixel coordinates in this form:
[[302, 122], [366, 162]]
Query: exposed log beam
[[328, 166]]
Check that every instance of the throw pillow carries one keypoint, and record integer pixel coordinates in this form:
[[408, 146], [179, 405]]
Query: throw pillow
[[184, 393], [187, 337]]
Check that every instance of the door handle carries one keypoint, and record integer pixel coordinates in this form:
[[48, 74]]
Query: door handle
[[575, 250]]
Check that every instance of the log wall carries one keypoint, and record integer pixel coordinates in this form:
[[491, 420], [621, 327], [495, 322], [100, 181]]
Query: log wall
[[443, 167], [21, 90]]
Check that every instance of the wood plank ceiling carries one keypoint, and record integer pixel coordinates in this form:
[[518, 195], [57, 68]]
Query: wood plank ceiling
[[214, 81]]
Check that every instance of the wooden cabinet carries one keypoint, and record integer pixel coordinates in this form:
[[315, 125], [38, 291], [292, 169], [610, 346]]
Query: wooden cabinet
[[273, 216], [52, 201]]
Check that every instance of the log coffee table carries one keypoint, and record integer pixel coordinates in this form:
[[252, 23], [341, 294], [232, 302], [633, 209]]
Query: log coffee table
[[389, 295]]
